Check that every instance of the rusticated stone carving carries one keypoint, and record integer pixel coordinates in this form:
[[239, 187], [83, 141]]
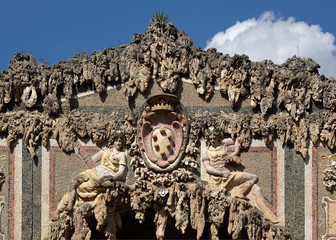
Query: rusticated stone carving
[[329, 92], [29, 96], [37, 127], [32, 126], [290, 102], [262, 85], [182, 202], [50, 104], [98, 127], [65, 133], [329, 173], [294, 93], [327, 135], [282, 125], [165, 55], [233, 78], [168, 58], [134, 73], [5, 94], [200, 74], [315, 125]]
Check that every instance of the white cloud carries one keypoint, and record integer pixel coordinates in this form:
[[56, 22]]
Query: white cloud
[[273, 38]]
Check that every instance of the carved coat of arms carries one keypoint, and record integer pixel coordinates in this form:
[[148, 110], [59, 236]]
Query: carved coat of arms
[[162, 132]]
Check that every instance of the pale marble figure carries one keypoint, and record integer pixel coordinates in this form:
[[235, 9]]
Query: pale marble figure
[[86, 186], [222, 169]]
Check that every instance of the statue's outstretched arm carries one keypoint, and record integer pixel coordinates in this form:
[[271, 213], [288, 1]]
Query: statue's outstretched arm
[[84, 156], [97, 157], [229, 142], [120, 174], [236, 148]]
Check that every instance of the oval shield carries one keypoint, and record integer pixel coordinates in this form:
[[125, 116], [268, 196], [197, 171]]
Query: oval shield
[[162, 131]]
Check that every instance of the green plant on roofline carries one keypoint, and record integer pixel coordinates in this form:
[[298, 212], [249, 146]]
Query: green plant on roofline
[[161, 16]]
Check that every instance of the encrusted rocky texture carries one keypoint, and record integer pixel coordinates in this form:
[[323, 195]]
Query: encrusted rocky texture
[[177, 195], [165, 55], [292, 102], [35, 126], [320, 126], [99, 127], [193, 204], [329, 178], [329, 173]]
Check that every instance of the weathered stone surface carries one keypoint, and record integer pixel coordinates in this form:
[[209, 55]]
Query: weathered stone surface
[[181, 201], [290, 102], [164, 55]]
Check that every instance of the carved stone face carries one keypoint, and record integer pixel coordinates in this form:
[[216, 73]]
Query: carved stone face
[[118, 144], [214, 140]]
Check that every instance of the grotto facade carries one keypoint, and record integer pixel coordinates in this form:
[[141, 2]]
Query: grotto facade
[[159, 139]]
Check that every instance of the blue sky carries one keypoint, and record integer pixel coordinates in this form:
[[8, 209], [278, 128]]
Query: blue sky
[[56, 30]]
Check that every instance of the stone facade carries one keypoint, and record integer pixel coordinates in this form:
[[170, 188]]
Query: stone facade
[[283, 117]]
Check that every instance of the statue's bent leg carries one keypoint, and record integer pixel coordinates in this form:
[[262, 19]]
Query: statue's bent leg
[[62, 205], [245, 185], [74, 183], [260, 201]]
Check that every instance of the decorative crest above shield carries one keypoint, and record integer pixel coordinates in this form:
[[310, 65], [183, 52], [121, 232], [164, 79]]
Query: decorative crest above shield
[[162, 132]]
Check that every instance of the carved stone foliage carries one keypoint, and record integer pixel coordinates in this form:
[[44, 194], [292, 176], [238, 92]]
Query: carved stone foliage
[[162, 132]]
